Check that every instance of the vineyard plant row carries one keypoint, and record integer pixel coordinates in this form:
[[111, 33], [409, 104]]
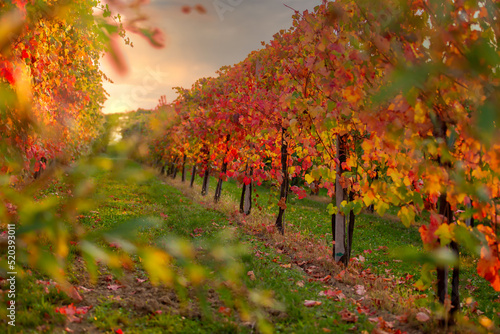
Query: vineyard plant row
[[384, 104]]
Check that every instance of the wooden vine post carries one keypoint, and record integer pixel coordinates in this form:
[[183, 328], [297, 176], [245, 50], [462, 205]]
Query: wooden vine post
[[284, 183]]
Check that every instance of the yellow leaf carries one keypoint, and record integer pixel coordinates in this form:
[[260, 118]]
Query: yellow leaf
[[445, 233], [407, 181], [407, 216], [367, 145], [432, 184], [420, 112], [368, 198], [309, 178], [351, 162]]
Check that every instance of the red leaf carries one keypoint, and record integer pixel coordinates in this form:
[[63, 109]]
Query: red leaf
[[7, 74], [301, 193], [247, 180]]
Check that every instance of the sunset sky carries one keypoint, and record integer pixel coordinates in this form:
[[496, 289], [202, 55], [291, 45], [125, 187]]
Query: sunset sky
[[196, 46]]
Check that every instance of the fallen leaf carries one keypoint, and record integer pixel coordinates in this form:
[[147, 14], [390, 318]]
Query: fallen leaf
[[311, 303], [225, 310], [114, 287], [300, 283], [422, 317], [73, 293], [348, 316], [141, 280], [71, 312], [363, 309], [271, 229], [360, 290], [402, 318], [251, 275], [286, 265], [326, 278], [336, 294]]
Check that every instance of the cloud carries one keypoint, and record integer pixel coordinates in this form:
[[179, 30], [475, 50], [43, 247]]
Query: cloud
[[197, 46]]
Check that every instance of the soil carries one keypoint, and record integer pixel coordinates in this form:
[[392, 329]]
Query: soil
[[133, 293]]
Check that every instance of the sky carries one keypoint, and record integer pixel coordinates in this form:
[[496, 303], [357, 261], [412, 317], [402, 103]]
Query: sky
[[196, 46]]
